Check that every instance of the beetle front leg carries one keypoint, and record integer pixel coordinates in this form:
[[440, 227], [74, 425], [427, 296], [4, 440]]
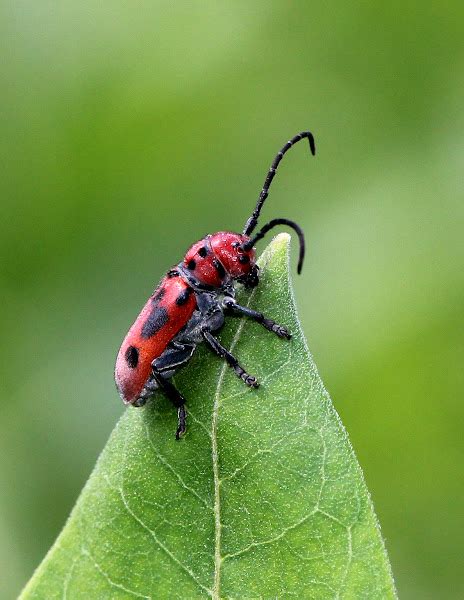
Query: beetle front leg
[[216, 345], [269, 324], [175, 397]]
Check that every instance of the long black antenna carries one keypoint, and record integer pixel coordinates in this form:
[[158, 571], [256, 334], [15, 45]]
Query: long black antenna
[[253, 220], [259, 236]]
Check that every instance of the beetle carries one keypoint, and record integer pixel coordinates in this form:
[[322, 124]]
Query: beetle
[[189, 306]]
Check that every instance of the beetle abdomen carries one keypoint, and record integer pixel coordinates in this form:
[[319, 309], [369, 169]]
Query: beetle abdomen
[[165, 313]]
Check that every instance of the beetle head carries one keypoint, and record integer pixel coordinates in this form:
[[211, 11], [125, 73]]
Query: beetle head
[[239, 262]]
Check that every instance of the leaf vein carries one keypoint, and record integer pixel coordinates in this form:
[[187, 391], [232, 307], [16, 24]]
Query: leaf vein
[[275, 538], [348, 563], [112, 583], [161, 458], [165, 549]]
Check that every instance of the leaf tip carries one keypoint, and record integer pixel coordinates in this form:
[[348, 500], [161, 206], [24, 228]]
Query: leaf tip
[[280, 244], [281, 239]]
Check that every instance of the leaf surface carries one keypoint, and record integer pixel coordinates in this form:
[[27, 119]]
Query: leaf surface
[[263, 497]]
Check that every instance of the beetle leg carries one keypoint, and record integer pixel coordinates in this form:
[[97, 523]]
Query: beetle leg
[[229, 358], [175, 397], [181, 421], [141, 401], [175, 356], [148, 390], [268, 324]]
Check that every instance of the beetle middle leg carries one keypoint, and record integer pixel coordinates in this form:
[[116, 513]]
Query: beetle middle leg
[[175, 397], [269, 324], [216, 345]]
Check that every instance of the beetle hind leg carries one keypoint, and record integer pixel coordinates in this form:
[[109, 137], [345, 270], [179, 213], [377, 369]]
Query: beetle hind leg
[[141, 400], [175, 356], [147, 392]]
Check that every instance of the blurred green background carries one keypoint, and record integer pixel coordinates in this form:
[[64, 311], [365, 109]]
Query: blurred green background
[[129, 130]]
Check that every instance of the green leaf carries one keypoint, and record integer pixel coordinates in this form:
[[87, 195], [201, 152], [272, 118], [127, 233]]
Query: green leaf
[[262, 498]]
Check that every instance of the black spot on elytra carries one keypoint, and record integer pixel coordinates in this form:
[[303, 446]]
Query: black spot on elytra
[[159, 294], [183, 297], [172, 273], [219, 268], [244, 259], [203, 251], [157, 318], [191, 265], [132, 356]]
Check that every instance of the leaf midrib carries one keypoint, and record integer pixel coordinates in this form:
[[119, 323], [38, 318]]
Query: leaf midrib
[[215, 459]]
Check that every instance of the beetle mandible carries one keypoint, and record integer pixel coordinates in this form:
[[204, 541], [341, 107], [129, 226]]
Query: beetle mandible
[[190, 303]]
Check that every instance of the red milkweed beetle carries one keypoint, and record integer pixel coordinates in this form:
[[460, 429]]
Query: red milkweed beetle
[[190, 303]]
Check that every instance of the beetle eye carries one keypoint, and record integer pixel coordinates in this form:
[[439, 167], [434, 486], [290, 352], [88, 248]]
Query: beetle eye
[[235, 244]]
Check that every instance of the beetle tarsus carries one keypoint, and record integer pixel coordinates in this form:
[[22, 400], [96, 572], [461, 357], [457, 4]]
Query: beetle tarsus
[[250, 380], [181, 421], [279, 330]]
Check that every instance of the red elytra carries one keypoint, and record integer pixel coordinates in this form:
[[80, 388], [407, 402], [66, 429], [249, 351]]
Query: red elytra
[[189, 305], [162, 319]]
